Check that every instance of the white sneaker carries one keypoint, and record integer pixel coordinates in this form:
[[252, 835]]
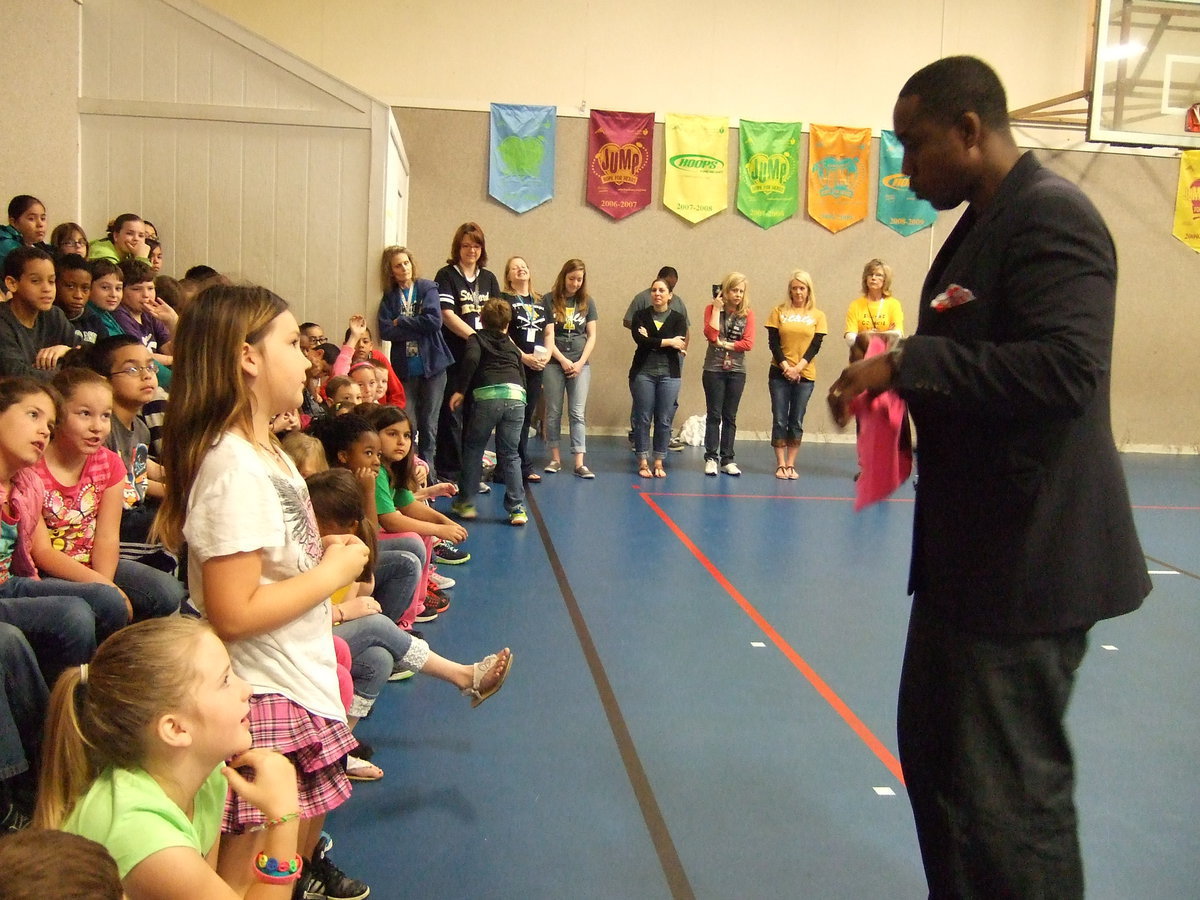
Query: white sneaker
[[731, 468], [440, 581], [710, 467]]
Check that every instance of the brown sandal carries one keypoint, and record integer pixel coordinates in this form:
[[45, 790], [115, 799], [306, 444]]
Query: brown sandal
[[644, 470]]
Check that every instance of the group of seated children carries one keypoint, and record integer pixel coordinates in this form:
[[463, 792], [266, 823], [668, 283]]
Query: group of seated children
[[311, 540]]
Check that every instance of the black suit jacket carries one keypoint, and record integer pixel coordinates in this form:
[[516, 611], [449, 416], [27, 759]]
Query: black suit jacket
[[1022, 522]]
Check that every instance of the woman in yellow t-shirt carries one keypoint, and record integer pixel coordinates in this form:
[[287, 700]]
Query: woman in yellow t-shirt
[[795, 330], [876, 312]]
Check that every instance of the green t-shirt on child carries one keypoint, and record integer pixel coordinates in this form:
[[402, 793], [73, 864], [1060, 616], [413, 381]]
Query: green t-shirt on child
[[127, 812], [387, 500]]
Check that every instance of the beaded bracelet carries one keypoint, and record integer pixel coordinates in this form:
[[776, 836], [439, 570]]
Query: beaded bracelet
[[272, 822], [272, 871]]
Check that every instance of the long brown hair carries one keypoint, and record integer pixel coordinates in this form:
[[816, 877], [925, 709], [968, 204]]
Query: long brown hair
[[209, 395], [386, 279], [138, 673], [558, 293]]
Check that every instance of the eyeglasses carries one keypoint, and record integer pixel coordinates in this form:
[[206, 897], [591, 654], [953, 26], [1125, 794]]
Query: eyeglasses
[[137, 371], [74, 243]]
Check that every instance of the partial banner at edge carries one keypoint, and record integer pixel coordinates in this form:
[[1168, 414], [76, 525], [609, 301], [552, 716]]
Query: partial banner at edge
[[1187, 201]]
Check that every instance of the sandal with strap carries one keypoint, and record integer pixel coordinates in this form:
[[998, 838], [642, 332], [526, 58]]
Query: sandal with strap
[[358, 769], [659, 471], [792, 474], [644, 470], [482, 670], [781, 473]]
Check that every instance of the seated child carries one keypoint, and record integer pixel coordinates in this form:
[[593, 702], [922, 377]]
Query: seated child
[[84, 495], [40, 864], [358, 347], [142, 771], [492, 371], [73, 287], [34, 333], [343, 394], [127, 365], [144, 316], [105, 297], [380, 649]]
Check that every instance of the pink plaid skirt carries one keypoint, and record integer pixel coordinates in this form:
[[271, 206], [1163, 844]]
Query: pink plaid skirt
[[315, 746]]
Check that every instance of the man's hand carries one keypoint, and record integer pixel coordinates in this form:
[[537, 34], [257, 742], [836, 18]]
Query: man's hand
[[872, 376]]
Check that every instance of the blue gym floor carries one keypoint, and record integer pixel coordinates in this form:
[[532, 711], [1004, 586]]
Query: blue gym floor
[[702, 700]]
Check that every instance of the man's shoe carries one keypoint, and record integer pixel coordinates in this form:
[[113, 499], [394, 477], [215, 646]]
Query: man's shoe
[[710, 467], [676, 444], [446, 554], [731, 468]]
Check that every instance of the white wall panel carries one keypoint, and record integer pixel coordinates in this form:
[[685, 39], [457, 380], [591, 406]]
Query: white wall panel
[[246, 158]]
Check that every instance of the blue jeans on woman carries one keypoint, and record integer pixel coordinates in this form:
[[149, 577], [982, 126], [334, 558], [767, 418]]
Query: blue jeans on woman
[[789, 400], [722, 396], [506, 418], [654, 399], [423, 397], [554, 382]]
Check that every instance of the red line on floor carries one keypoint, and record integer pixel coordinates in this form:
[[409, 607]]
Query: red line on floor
[[848, 499], [827, 693]]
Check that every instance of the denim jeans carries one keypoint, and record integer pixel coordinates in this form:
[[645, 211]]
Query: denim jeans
[[554, 382], [106, 601], [420, 548], [789, 400], [61, 630], [424, 398], [23, 701], [397, 577], [654, 399], [376, 644], [722, 395], [533, 393], [152, 592], [505, 417]]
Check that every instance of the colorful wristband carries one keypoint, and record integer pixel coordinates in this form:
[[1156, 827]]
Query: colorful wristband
[[269, 870]]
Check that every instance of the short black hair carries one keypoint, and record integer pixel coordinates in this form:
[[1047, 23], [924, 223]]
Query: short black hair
[[955, 85], [14, 263], [135, 271], [338, 433], [668, 272], [69, 262], [199, 273]]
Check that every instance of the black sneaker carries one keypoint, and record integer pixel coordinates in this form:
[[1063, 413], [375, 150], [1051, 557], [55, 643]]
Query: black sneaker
[[322, 880], [676, 444], [447, 554]]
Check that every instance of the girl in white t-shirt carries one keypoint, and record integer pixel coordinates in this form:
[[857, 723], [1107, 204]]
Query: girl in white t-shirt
[[258, 569]]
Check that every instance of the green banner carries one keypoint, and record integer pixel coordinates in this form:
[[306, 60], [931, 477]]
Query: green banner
[[769, 171]]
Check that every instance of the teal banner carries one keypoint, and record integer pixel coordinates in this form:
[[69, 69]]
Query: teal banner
[[898, 207], [521, 156]]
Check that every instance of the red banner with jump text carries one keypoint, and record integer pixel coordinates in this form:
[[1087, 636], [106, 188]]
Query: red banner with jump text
[[620, 147]]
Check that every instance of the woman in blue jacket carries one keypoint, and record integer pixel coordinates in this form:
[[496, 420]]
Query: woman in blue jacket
[[410, 316]]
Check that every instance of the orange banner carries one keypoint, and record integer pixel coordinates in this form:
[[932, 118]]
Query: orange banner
[[839, 162]]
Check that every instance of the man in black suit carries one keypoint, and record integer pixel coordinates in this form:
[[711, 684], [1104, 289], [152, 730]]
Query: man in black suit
[[1023, 536]]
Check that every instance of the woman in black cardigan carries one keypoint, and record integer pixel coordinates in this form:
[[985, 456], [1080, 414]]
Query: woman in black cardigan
[[654, 378]]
